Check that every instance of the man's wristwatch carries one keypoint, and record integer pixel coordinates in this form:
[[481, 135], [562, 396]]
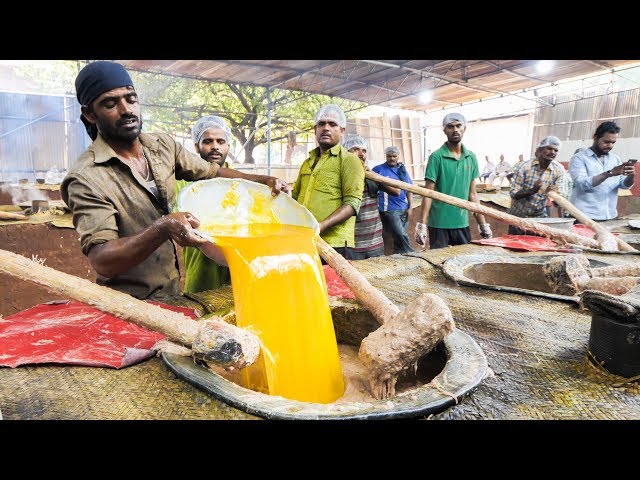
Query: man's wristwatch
[[609, 174]]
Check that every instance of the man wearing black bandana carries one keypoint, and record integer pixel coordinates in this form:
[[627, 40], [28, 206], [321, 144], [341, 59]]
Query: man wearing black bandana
[[122, 188]]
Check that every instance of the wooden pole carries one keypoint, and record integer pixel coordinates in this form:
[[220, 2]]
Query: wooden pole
[[12, 216], [405, 335], [369, 296], [552, 233], [212, 340], [602, 233]]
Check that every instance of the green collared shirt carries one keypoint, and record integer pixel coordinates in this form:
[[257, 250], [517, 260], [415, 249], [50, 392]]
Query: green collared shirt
[[337, 178], [453, 177], [109, 200]]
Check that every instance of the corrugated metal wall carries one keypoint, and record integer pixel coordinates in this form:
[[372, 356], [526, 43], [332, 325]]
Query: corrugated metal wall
[[384, 131], [574, 121], [38, 132]]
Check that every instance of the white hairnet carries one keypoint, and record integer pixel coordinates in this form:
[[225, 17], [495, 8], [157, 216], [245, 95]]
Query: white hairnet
[[205, 123], [355, 141], [454, 117], [550, 141], [392, 149], [332, 112]]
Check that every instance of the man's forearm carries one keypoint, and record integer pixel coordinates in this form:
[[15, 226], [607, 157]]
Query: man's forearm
[[426, 202], [525, 193], [338, 216], [231, 173], [629, 180], [121, 254]]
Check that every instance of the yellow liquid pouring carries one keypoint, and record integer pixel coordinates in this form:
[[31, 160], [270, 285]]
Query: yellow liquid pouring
[[280, 294]]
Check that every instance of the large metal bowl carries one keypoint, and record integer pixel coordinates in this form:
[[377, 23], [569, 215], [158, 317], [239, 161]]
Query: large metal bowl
[[561, 223], [229, 201]]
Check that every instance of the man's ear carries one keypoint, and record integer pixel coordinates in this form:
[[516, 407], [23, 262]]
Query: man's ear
[[86, 112]]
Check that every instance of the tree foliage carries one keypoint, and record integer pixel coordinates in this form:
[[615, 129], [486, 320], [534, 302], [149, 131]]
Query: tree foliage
[[173, 104], [54, 78]]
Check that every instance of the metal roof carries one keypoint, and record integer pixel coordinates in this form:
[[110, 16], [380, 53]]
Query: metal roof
[[390, 83]]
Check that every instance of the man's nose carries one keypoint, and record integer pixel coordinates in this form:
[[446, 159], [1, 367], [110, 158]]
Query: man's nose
[[125, 107]]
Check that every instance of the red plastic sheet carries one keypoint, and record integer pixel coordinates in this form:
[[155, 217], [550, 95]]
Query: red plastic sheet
[[583, 230], [527, 243], [531, 243], [77, 334], [335, 286]]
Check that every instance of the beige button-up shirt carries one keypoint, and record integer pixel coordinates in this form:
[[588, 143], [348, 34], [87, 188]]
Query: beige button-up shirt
[[109, 200]]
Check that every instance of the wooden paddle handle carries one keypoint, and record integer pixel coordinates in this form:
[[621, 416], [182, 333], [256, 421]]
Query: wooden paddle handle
[[586, 221], [369, 296], [212, 339], [553, 233], [12, 216]]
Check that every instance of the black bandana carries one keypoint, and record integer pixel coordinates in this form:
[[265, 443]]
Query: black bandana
[[95, 79]]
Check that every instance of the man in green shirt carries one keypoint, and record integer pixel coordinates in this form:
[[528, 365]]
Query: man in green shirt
[[452, 170], [211, 137], [331, 181]]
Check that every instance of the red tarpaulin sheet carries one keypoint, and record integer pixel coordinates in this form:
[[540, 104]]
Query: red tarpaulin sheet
[[77, 334], [532, 243], [335, 286], [523, 242]]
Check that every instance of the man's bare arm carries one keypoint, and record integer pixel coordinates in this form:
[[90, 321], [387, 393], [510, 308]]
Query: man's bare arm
[[338, 216], [121, 254]]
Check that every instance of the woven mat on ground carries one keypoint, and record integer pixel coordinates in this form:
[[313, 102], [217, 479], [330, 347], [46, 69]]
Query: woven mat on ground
[[146, 391], [56, 216], [536, 349]]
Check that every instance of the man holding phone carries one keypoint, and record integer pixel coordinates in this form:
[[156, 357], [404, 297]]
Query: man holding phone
[[598, 174]]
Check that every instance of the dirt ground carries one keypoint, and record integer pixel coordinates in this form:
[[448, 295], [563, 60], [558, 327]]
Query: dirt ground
[[60, 249]]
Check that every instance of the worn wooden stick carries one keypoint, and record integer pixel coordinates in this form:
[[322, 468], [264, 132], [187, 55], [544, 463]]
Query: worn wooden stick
[[405, 335], [212, 340], [572, 274], [369, 296], [604, 236], [12, 216], [553, 233]]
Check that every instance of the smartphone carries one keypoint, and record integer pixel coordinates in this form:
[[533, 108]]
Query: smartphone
[[631, 161]]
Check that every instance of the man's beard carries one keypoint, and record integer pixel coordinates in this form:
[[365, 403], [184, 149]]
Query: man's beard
[[119, 134], [327, 145], [211, 159]]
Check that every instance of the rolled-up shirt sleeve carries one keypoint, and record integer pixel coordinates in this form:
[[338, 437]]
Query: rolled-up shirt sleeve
[[190, 166], [353, 182], [94, 218]]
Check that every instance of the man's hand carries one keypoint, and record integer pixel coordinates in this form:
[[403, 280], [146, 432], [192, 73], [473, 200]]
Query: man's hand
[[278, 186], [421, 233], [485, 230], [178, 226]]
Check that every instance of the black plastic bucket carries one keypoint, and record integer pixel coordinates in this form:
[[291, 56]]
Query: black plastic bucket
[[615, 345]]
